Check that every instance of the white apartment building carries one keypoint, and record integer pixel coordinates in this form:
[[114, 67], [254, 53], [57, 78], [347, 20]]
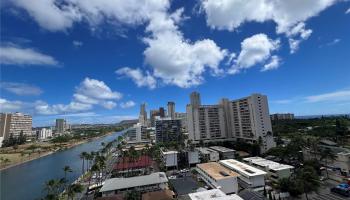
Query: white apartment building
[[14, 124], [244, 119], [274, 170], [208, 154], [148, 183], [250, 177], [214, 194], [225, 153], [169, 158], [137, 134], [218, 177], [193, 157], [45, 133]]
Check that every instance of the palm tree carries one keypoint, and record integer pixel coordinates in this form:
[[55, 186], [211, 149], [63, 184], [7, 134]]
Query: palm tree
[[66, 169], [83, 156], [74, 189], [52, 188], [327, 155]]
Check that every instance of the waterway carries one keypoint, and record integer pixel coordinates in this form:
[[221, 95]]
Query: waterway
[[26, 181]]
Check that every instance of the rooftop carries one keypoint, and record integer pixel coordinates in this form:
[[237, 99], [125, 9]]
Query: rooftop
[[206, 150], [216, 171], [222, 149], [124, 183], [162, 194], [214, 194], [242, 167], [127, 163], [262, 162]]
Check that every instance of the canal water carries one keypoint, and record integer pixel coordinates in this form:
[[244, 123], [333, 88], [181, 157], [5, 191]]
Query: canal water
[[26, 181]]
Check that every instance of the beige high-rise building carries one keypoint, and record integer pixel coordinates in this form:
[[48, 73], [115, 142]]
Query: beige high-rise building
[[171, 110], [14, 124], [244, 119], [143, 115]]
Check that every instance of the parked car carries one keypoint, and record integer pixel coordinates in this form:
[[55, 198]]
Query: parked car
[[341, 191]]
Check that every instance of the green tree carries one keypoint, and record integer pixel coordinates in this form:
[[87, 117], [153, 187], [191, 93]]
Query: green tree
[[73, 189], [82, 156], [308, 180], [327, 155]]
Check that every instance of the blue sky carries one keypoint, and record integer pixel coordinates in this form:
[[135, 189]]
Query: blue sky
[[96, 61]]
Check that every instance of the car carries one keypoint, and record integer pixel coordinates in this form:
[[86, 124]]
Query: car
[[172, 177], [341, 191]]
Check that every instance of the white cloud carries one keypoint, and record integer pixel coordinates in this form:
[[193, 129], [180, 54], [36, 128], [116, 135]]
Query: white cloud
[[89, 93], [255, 50], [273, 64], [231, 14], [77, 43], [10, 106], [127, 104], [179, 62], [13, 55], [342, 95], [347, 11], [283, 101], [138, 77], [21, 89]]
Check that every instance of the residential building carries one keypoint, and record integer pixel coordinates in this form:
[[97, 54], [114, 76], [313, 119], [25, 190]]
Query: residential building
[[245, 119], [61, 126], [218, 177], [14, 124], [148, 183], [214, 194], [171, 110], [168, 130], [275, 171], [143, 115], [183, 118], [137, 134], [250, 177], [282, 116], [169, 158], [45, 133], [225, 153], [193, 156], [208, 155]]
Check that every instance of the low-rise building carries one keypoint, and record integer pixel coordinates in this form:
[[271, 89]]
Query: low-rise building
[[208, 155], [45, 133], [193, 157], [225, 153], [214, 194], [274, 170], [148, 183], [169, 158], [219, 177], [282, 116], [250, 177]]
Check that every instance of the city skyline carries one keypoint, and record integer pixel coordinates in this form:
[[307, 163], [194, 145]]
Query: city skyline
[[93, 63]]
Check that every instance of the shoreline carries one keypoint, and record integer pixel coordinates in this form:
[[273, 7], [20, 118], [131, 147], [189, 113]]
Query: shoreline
[[69, 146]]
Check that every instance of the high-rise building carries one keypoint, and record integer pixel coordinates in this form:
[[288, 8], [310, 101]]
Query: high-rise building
[[137, 134], [183, 118], [14, 124], [171, 110], [195, 99], [244, 119], [143, 115], [161, 112], [45, 133], [168, 130], [60, 126]]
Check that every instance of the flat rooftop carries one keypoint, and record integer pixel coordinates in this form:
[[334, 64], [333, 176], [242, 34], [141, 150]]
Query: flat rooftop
[[242, 168], [222, 149], [217, 171], [206, 150], [262, 162], [215, 194], [137, 181]]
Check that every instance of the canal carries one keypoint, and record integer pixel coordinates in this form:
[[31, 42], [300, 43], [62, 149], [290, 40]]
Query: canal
[[26, 181]]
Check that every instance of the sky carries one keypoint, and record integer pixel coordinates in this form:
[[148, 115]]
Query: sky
[[96, 61]]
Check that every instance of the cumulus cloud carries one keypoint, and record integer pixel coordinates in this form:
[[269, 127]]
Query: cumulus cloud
[[14, 55], [89, 93], [256, 49], [127, 104], [347, 11], [139, 78], [21, 89], [231, 14], [273, 64]]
